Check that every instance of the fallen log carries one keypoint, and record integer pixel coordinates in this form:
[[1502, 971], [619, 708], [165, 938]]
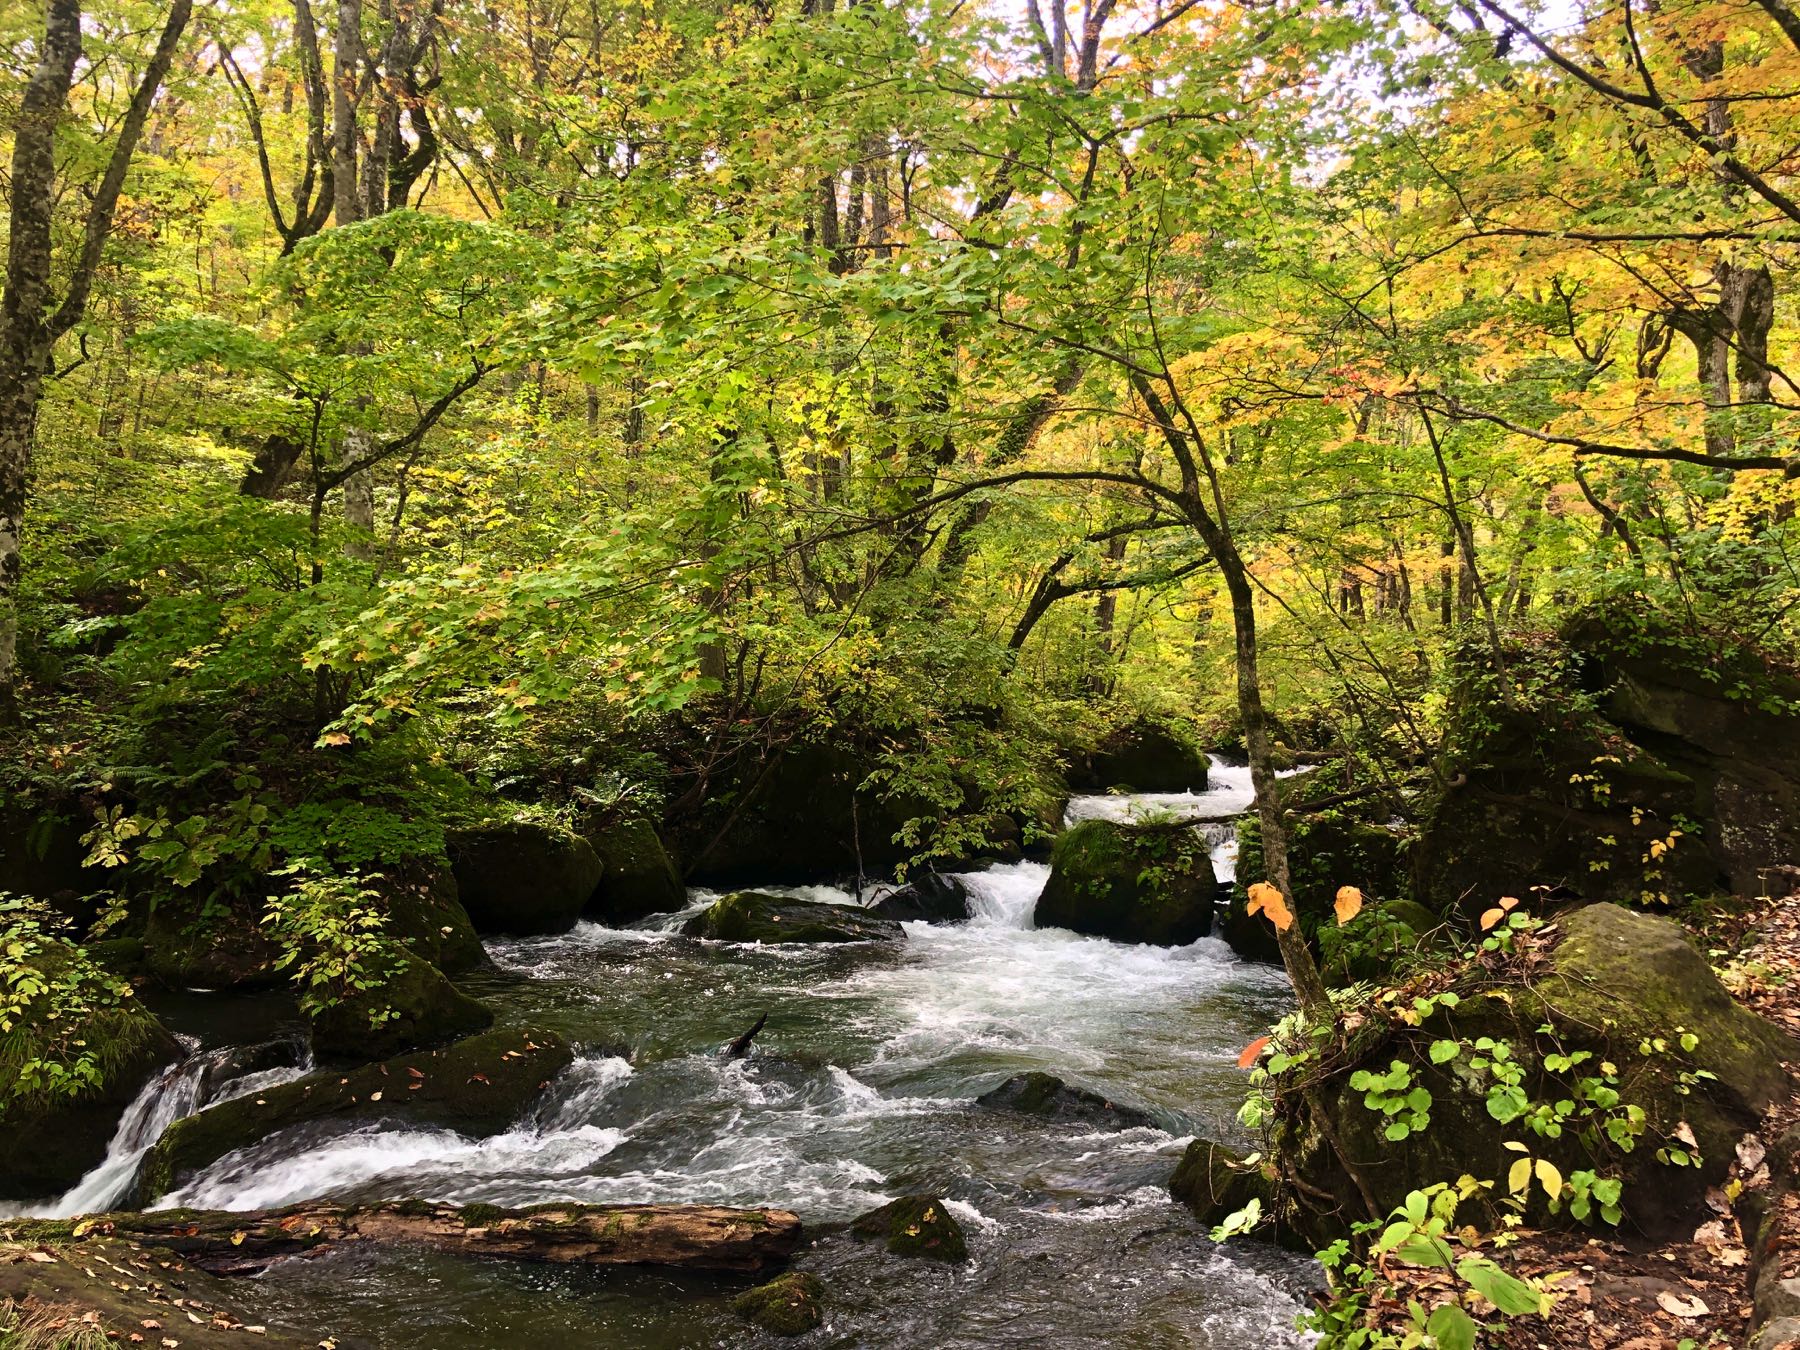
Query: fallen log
[[686, 1237], [740, 1047]]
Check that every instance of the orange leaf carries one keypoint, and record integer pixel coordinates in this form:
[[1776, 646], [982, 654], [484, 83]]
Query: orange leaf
[[1490, 917], [1251, 1051], [1349, 904], [1269, 902]]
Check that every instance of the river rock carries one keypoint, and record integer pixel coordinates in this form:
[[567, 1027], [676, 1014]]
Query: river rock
[[523, 876], [54, 1138], [412, 1007], [425, 911], [1618, 982], [1131, 883], [1044, 1094], [637, 877], [751, 916], [191, 943], [1143, 755], [915, 1225], [932, 897], [788, 1305], [1215, 1182], [479, 1086]]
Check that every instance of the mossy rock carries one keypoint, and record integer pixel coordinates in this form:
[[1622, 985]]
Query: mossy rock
[[425, 911], [123, 956], [479, 1086], [1326, 850], [1215, 1182], [931, 897], [637, 877], [188, 947], [915, 1225], [1616, 980], [1143, 755], [751, 916], [1380, 942], [54, 1139], [1131, 883], [788, 1305], [41, 855], [413, 1007], [1044, 1094], [523, 876]]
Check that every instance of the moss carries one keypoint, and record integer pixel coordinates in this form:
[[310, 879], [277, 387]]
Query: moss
[[188, 945], [523, 876], [1131, 883], [478, 1086], [788, 1305], [414, 1006], [637, 877], [425, 911], [482, 1216], [751, 916], [1327, 850], [915, 1225]]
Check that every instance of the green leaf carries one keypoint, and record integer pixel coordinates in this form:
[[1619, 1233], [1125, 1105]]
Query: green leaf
[[1451, 1328]]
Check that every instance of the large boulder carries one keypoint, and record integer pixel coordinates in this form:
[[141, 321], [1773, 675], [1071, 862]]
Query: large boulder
[[425, 911], [1215, 1182], [479, 1086], [1327, 849], [413, 1006], [1044, 1094], [523, 876], [1131, 883], [637, 877], [193, 943], [1143, 755], [915, 1225], [55, 1136], [751, 916], [932, 897], [1623, 1035]]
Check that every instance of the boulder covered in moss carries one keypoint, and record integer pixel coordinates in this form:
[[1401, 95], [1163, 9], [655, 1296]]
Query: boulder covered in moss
[[931, 897], [1622, 1036], [1214, 1182], [1380, 942], [479, 1086], [1044, 1094], [1143, 755], [788, 1305], [195, 943], [752, 916], [412, 1006], [1328, 849], [523, 876], [425, 911], [64, 1084], [1130, 883], [915, 1225], [637, 877]]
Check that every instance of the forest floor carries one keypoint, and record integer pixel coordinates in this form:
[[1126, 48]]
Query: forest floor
[[1691, 1294]]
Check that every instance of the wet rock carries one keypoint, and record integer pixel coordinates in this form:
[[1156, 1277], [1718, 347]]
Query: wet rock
[[413, 1006], [190, 944], [751, 916], [637, 876], [54, 1138], [523, 876], [479, 1087], [1131, 883], [1144, 755], [425, 911], [931, 898], [915, 1225], [1044, 1094], [1621, 987], [788, 1305], [1214, 1182]]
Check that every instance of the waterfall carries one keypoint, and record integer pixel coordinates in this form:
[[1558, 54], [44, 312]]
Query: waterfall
[[195, 1082]]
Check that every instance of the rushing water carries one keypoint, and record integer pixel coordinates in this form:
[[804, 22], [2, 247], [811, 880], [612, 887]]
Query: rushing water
[[861, 1089]]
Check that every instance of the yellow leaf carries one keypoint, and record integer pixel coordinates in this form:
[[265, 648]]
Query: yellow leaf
[[1270, 903], [237, 1238], [1518, 1179], [1349, 904], [1548, 1175]]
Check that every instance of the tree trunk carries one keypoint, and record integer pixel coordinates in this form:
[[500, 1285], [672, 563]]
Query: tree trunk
[[687, 1237]]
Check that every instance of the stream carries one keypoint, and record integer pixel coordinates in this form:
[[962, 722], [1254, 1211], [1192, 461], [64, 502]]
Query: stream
[[861, 1089]]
